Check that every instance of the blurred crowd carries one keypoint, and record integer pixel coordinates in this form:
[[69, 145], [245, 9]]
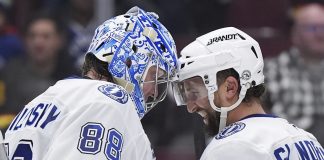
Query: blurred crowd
[[42, 41]]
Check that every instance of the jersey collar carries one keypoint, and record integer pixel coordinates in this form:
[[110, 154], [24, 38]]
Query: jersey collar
[[77, 77], [260, 115]]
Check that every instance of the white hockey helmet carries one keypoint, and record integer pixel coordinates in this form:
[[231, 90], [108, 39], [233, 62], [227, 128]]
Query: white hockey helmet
[[216, 51]]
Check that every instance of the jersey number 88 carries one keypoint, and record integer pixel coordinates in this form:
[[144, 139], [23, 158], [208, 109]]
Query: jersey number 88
[[90, 141]]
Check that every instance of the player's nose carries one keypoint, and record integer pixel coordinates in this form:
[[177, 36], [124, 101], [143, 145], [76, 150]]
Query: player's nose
[[152, 92], [191, 107]]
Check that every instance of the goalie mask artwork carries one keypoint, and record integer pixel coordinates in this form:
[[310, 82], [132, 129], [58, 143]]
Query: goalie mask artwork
[[141, 55]]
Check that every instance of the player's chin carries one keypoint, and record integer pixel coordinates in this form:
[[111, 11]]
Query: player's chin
[[146, 98]]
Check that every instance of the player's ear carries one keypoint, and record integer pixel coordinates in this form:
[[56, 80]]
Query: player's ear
[[232, 87]]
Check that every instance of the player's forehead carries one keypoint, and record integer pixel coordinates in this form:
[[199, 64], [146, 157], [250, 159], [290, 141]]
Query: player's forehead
[[194, 81], [154, 69]]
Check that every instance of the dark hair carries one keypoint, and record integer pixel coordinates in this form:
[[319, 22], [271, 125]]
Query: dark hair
[[100, 67], [59, 25], [255, 91]]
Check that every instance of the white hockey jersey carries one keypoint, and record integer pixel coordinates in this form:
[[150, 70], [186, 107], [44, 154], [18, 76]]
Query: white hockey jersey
[[78, 119], [263, 137], [3, 154]]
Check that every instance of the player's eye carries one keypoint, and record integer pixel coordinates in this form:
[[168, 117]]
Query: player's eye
[[193, 96]]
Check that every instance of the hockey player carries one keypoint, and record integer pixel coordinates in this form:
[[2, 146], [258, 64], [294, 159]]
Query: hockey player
[[221, 78], [126, 72], [3, 155]]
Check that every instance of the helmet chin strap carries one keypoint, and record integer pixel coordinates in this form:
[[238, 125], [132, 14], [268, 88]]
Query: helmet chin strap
[[225, 110]]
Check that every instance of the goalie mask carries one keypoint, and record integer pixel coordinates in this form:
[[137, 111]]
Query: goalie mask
[[216, 51], [140, 53]]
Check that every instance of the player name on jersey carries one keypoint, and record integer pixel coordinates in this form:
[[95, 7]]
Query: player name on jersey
[[306, 149], [39, 116]]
